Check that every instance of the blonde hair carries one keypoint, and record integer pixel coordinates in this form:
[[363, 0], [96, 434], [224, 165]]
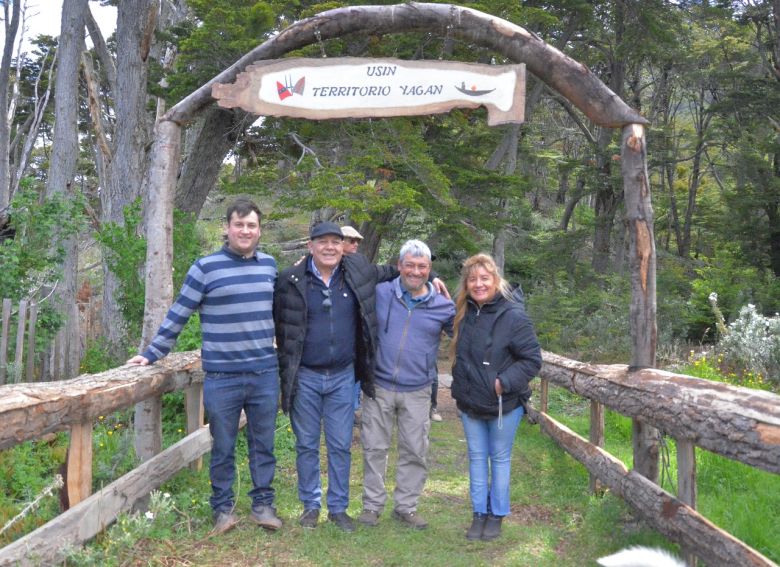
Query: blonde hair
[[486, 262]]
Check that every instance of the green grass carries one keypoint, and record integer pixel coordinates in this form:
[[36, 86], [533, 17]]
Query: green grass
[[554, 520], [738, 498]]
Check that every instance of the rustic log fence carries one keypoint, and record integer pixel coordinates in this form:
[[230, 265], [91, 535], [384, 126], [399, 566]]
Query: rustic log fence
[[739, 423], [735, 422]]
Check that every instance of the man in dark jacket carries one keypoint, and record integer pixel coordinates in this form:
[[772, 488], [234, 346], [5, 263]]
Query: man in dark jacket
[[326, 335]]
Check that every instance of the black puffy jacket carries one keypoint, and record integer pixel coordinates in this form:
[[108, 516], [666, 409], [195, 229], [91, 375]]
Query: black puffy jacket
[[502, 328], [290, 319]]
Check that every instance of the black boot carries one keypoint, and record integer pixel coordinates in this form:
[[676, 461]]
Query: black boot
[[477, 525], [492, 527]]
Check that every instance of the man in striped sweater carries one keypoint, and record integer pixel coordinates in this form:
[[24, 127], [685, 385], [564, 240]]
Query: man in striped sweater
[[232, 289]]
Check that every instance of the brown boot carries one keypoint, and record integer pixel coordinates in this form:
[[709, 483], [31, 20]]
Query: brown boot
[[492, 527], [477, 525]]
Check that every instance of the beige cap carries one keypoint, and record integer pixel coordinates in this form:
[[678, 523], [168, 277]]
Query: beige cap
[[350, 232]]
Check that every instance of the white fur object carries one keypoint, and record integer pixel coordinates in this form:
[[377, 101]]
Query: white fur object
[[639, 556]]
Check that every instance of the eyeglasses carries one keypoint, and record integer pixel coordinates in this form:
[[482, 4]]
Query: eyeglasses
[[326, 303]]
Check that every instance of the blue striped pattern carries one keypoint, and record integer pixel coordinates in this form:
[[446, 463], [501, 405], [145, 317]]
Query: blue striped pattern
[[234, 297]]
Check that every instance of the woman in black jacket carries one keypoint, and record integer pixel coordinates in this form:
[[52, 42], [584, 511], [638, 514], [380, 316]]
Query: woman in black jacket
[[496, 355]]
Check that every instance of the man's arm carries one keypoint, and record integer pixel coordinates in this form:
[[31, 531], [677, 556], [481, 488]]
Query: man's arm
[[188, 300]]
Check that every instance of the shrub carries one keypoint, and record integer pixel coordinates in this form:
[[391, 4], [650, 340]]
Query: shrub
[[753, 342]]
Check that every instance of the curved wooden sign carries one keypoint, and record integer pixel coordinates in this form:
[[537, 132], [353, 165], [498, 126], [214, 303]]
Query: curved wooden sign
[[358, 88]]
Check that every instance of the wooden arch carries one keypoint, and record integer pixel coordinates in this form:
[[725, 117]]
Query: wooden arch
[[560, 72]]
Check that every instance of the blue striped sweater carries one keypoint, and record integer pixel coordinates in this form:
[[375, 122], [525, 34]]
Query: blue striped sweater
[[234, 296]]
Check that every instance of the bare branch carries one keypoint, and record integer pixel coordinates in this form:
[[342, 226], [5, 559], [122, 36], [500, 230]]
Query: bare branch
[[306, 150]]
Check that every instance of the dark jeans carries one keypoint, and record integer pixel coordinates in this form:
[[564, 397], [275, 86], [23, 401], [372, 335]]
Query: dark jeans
[[224, 396], [324, 401], [434, 390]]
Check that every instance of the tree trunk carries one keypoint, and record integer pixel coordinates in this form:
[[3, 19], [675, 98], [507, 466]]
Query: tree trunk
[[12, 27], [639, 216], [125, 173], [159, 285], [62, 168], [207, 143], [568, 211]]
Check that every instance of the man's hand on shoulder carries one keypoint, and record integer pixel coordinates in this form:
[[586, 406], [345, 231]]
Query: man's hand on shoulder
[[441, 287], [138, 360]]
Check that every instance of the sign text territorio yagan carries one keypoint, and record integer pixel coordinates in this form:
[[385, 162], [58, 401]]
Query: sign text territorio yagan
[[357, 88]]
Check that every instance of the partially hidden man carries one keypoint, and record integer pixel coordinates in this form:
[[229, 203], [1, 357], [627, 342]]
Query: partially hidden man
[[232, 289]]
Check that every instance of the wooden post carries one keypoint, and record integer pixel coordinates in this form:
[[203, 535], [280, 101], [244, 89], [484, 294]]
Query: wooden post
[[4, 340], [597, 438], [639, 218], [544, 399], [79, 466], [19, 355], [686, 481], [30, 372], [159, 189], [193, 405]]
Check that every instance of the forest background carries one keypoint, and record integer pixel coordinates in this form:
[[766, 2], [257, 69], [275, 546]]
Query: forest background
[[544, 197]]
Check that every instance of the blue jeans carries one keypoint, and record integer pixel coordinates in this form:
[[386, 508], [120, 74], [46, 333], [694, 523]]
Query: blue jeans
[[357, 396], [224, 396], [490, 460], [323, 401]]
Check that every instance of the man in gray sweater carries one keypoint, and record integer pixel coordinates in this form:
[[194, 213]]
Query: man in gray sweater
[[411, 316]]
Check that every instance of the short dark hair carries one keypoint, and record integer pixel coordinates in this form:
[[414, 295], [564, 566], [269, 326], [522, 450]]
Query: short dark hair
[[242, 207]]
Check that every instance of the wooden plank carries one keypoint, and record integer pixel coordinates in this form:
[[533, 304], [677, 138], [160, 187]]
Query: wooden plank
[[30, 370], [661, 510], [79, 463], [597, 438], [738, 423], [148, 428], [19, 354], [4, 340], [29, 411], [686, 481], [196, 415], [47, 544]]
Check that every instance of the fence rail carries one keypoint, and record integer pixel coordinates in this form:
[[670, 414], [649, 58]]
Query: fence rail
[[738, 423]]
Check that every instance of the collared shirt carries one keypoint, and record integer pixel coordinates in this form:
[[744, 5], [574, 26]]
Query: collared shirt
[[316, 272], [412, 302]]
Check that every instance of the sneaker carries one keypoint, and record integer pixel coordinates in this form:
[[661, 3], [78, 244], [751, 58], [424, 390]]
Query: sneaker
[[224, 522], [369, 518], [342, 521], [309, 518], [265, 517], [435, 415], [410, 519]]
